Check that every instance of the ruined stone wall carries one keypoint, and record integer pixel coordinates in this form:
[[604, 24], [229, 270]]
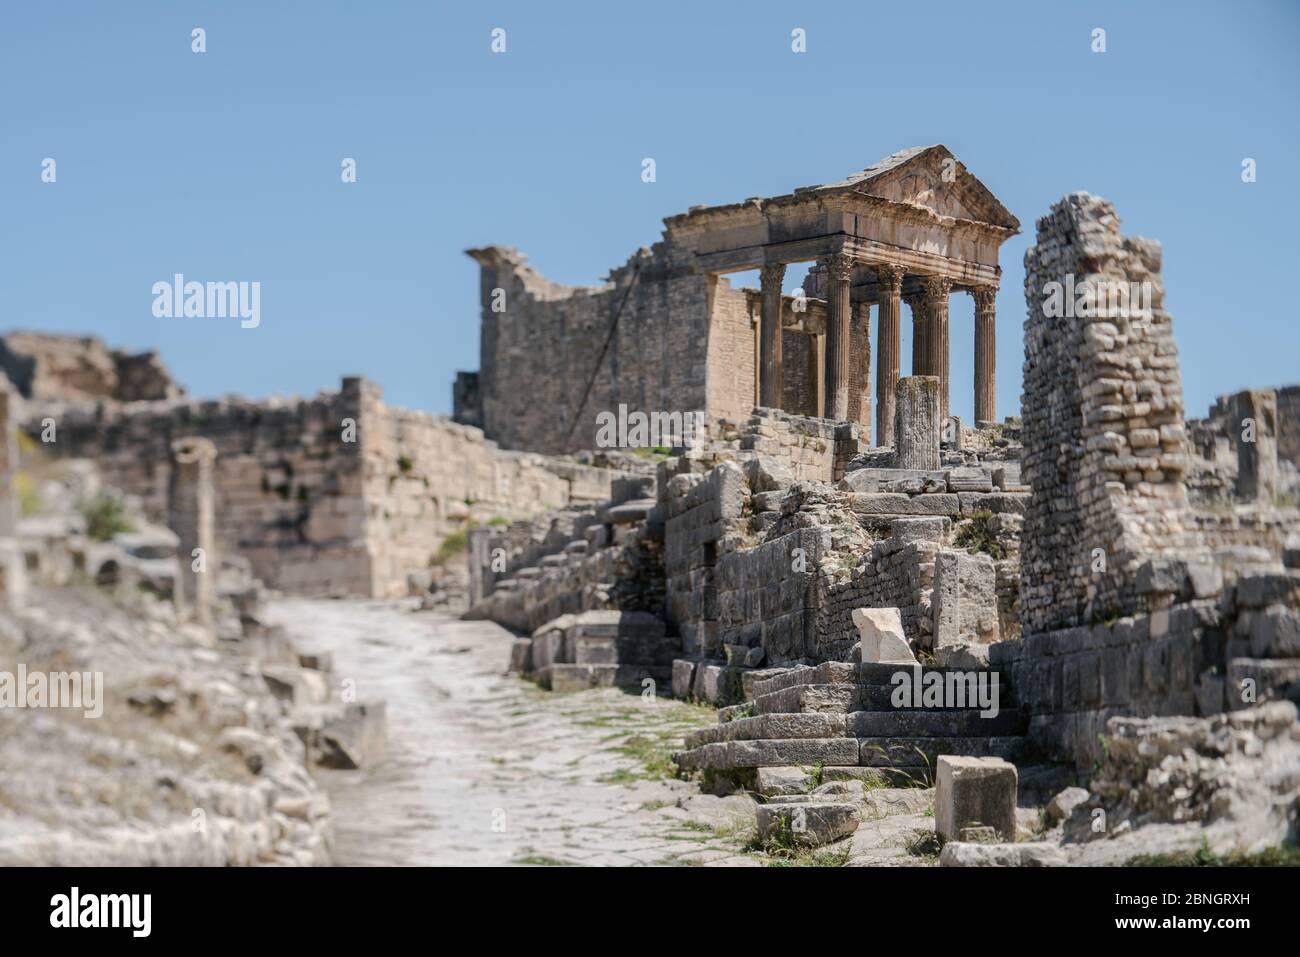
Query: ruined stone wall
[[767, 596], [732, 388], [540, 352], [1103, 423], [59, 368], [702, 510], [1288, 424], [312, 511], [1156, 631], [425, 478], [814, 450]]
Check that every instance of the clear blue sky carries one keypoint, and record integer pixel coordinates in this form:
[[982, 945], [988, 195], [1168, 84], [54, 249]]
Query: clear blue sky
[[225, 165]]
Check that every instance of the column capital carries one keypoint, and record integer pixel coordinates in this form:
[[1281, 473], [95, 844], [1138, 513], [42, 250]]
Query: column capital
[[772, 273], [839, 266], [984, 296], [936, 286], [890, 277]]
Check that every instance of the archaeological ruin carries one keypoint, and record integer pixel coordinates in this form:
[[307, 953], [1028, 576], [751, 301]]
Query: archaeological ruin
[[1050, 589]]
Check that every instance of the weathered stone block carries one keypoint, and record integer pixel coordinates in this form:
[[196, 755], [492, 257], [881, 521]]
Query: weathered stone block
[[973, 791]]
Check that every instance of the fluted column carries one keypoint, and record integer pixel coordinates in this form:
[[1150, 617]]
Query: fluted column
[[839, 270], [920, 359], [887, 350], [936, 334], [770, 381], [986, 355], [860, 401]]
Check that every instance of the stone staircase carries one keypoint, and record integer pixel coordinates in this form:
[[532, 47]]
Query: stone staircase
[[840, 715]]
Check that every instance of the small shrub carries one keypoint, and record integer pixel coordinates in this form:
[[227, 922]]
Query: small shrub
[[453, 545], [404, 463], [105, 517], [977, 536]]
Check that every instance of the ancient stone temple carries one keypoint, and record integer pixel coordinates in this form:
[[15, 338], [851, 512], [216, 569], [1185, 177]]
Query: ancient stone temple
[[668, 331]]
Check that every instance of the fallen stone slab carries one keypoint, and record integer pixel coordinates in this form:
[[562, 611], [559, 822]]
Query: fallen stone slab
[[1028, 854], [807, 824], [883, 641]]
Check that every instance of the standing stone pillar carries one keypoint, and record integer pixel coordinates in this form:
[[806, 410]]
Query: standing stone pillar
[[8, 462], [770, 381], [916, 302], [860, 399], [1256, 428], [887, 350], [936, 334], [191, 517], [986, 356], [13, 564], [839, 271], [916, 423]]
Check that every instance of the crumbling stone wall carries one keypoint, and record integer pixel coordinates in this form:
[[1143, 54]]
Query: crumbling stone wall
[[540, 351], [55, 368], [1154, 630], [316, 505], [1103, 423]]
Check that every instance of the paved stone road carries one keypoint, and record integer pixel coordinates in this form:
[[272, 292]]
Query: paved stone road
[[483, 768]]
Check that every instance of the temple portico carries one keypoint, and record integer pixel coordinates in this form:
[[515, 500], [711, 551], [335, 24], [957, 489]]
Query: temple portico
[[913, 229]]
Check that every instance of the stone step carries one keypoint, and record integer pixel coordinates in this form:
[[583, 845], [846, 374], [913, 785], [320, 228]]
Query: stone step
[[967, 722], [913, 751], [772, 726], [624, 650], [570, 677], [843, 672], [880, 697], [827, 673], [808, 699], [729, 755]]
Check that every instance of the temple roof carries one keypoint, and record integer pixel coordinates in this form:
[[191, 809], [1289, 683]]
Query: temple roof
[[925, 176]]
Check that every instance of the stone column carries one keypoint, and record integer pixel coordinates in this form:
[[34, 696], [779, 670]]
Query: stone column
[[8, 461], [916, 423], [1256, 427], [916, 302], [839, 271], [191, 517], [887, 350], [936, 334], [860, 402], [986, 356], [770, 381]]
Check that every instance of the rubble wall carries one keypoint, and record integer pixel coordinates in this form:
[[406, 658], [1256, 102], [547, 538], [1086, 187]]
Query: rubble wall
[[1103, 421]]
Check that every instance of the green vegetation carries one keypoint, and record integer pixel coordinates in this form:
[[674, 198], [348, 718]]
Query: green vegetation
[[404, 463], [29, 500], [1283, 856], [105, 517], [977, 536], [453, 545]]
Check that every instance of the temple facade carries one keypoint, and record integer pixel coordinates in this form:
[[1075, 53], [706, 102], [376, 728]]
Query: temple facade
[[669, 331]]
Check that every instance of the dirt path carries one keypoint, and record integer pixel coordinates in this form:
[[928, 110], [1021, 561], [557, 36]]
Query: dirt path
[[483, 768]]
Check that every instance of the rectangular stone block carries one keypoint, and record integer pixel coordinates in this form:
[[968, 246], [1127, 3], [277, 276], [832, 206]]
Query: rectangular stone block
[[971, 792]]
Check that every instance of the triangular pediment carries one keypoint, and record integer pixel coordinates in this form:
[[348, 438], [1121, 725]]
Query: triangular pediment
[[932, 178]]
